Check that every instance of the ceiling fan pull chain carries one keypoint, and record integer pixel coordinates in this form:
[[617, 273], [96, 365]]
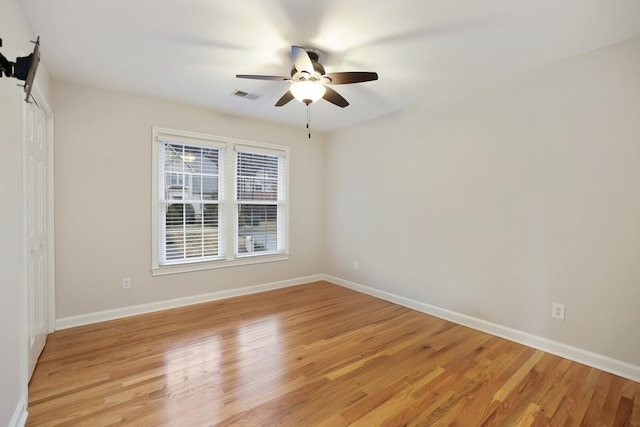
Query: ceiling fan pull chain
[[308, 120]]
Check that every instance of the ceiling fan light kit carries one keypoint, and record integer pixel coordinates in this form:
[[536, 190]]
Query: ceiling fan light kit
[[307, 91]]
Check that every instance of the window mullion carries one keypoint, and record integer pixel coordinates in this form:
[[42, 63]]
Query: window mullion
[[231, 207]]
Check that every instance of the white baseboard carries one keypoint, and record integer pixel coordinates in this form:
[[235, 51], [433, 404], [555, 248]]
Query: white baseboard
[[118, 313], [19, 418], [579, 355]]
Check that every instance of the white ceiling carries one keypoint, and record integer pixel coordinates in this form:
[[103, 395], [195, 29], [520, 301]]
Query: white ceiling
[[190, 50]]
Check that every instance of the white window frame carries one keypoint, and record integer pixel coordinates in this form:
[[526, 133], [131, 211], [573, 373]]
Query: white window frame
[[228, 204]]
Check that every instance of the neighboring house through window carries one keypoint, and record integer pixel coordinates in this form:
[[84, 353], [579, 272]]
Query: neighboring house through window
[[217, 201]]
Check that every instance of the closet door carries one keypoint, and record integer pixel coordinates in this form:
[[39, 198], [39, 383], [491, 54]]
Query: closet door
[[36, 236]]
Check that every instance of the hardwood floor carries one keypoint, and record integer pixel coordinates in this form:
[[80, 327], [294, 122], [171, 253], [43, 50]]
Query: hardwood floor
[[312, 355]]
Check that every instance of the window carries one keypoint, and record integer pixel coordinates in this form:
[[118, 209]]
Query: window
[[217, 201], [188, 204], [259, 201]]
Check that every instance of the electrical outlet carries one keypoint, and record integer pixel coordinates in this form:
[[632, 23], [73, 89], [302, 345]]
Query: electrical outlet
[[126, 283], [355, 265], [557, 311]]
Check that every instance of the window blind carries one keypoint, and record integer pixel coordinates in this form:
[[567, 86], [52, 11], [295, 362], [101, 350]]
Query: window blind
[[191, 193]]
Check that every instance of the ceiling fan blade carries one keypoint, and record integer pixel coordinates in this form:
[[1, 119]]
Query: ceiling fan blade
[[256, 77], [350, 77], [301, 59], [285, 98], [335, 98]]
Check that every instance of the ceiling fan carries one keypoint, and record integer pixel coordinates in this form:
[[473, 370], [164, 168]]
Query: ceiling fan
[[309, 82]]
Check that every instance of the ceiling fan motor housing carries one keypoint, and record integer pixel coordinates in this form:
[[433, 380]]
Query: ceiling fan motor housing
[[317, 68]]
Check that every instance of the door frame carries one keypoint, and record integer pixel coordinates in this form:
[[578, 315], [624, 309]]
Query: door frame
[[51, 249]]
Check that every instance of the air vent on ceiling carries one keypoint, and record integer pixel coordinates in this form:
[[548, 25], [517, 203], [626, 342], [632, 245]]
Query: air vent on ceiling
[[246, 95]]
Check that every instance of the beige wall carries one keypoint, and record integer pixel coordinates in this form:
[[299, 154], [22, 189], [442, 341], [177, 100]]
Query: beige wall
[[103, 200], [496, 204], [16, 34]]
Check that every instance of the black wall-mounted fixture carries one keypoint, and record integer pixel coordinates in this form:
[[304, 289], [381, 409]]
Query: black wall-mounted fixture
[[23, 69]]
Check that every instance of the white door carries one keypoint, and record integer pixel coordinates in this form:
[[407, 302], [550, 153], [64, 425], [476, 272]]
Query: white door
[[35, 181]]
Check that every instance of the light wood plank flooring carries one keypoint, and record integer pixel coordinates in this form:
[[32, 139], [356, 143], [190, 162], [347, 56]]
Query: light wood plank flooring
[[312, 355]]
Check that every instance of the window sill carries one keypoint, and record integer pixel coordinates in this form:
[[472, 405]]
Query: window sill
[[208, 265]]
